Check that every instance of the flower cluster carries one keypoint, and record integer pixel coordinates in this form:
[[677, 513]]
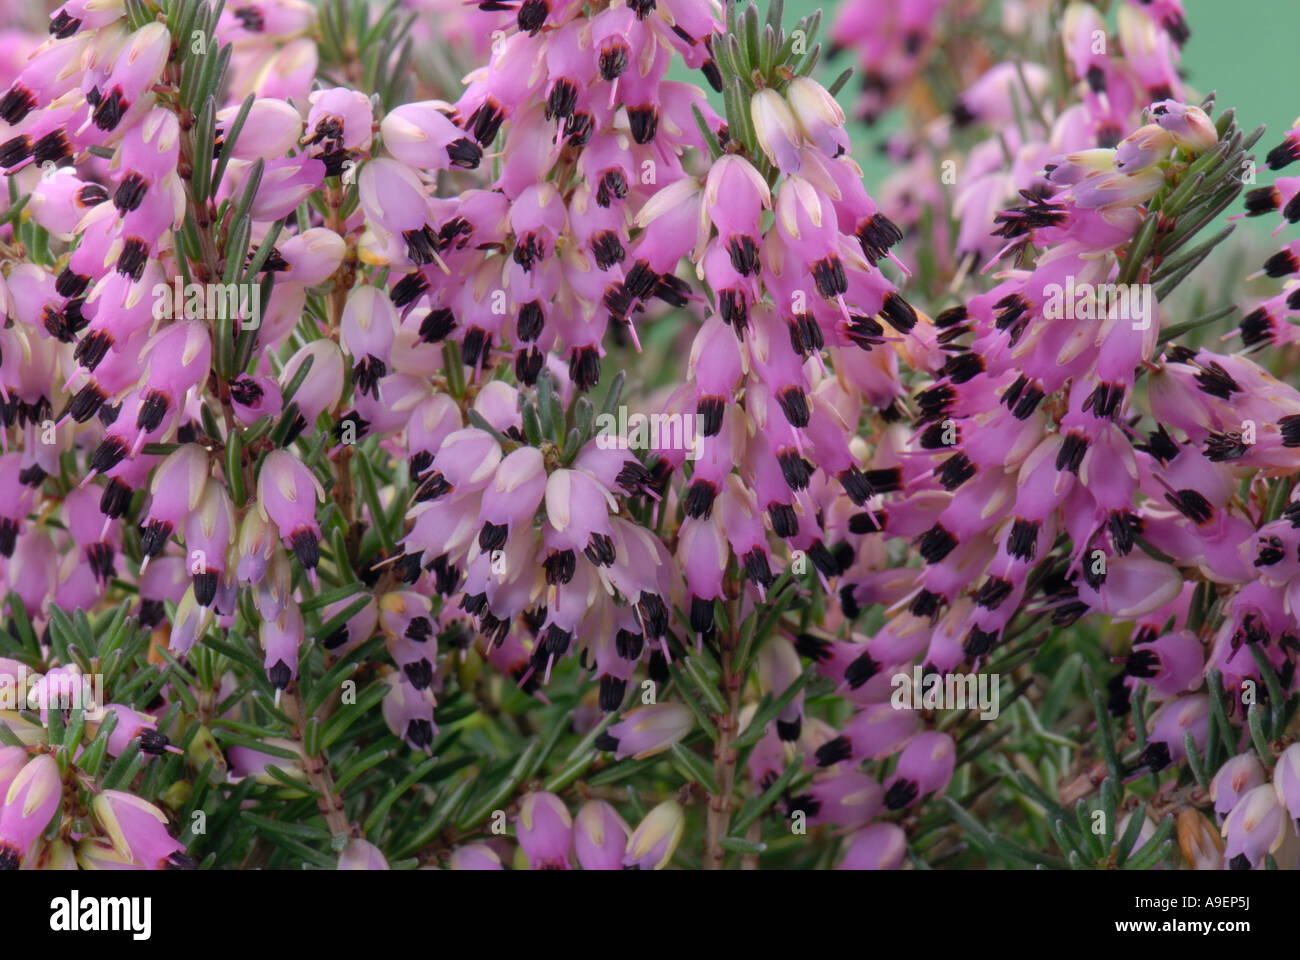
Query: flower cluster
[[398, 473], [1039, 466], [1005, 126]]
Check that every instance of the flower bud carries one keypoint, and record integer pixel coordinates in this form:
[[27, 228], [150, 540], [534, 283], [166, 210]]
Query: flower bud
[[33, 579], [275, 590], [735, 196], [394, 199], [57, 854], [1189, 125], [880, 846], [819, 116], [430, 423], [58, 687], [1135, 585], [165, 579], [405, 614], [776, 129], [474, 856], [277, 21], [362, 855], [545, 831], [28, 806], [1149, 51], [288, 72], [16, 503], [999, 92], [652, 844], [577, 512], [647, 730], [204, 748], [778, 668], [1082, 165], [703, 555], [498, 403], [599, 836], [30, 734], [148, 153]]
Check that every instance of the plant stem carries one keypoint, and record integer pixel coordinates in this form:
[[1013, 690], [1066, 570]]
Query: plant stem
[[724, 754], [345, 495], [317, 771]]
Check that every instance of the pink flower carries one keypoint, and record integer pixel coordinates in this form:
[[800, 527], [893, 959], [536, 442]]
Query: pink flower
[[925, 766], [1257, 825], [474, 856], [599, 836], [880, 846], [362, 855], [545, 831], [1286, 780], [31, 800], [422, 136], [287, 493], [653, 842], [647, 730], [139, 832]]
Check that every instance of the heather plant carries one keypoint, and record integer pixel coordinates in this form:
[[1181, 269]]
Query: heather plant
[[516, 436]]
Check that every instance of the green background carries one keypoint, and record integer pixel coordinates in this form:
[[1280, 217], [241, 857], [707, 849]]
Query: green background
[[1246, 51]]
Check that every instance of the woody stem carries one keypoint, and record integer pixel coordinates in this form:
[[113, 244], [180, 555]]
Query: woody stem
[[345, 495], [317, 770], [724, 753]]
